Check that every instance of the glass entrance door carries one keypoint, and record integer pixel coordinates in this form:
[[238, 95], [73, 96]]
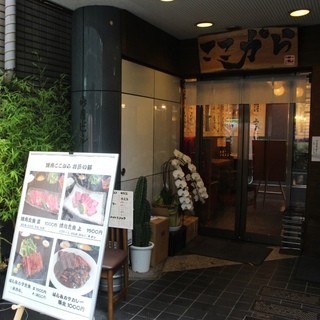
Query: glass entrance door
[[244, 152], [219, 145], [268, 156]]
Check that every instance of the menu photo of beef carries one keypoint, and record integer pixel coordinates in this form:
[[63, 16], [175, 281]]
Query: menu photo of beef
[[32, 258], [43, 195], [73, 269], [85, 199]]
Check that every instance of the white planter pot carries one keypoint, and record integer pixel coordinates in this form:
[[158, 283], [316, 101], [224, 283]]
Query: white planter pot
[[141, 257], [176, 228]]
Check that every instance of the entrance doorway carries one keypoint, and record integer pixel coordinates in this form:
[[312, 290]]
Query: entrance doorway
[[246, 153]]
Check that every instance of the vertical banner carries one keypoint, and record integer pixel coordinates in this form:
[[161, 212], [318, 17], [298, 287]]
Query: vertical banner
[[60, 233]]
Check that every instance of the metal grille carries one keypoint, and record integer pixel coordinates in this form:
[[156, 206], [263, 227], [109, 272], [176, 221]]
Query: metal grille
[[292, 230]]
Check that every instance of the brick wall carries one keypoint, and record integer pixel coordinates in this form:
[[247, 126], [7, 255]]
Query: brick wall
[[43, 37]]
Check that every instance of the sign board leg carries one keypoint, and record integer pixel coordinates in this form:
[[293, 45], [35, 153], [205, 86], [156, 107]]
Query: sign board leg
[[19, 311]]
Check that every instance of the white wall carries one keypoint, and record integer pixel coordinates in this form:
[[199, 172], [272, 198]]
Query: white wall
[[150, 129]]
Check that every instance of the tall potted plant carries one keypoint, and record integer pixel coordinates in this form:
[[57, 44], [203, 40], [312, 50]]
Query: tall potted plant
[[141, 248]]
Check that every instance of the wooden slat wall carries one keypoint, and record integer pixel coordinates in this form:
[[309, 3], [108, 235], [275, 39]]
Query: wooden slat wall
[[2, 34], [46, 30]]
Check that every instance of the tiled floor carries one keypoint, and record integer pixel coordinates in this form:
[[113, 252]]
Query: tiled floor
[[225, 292]]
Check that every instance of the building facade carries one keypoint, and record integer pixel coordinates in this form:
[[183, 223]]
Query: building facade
[[44, 39]]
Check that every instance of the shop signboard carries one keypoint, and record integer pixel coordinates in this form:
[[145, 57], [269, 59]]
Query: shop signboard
[[59, 239], [249, 49]]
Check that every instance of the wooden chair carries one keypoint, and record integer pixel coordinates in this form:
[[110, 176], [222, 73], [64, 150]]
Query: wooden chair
[[115, 258]]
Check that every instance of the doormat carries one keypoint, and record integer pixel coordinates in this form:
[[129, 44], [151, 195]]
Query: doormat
[[263, 317], [193, 262], [239, 251], [291, 295], [284, 311], [308, 269]]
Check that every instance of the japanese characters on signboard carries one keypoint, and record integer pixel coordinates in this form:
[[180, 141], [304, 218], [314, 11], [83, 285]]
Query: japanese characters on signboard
[[60, 233], [249, 49]]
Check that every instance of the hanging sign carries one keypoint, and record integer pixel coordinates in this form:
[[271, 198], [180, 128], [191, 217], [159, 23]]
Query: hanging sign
[[315, 151], [59, 239], [249, 49]]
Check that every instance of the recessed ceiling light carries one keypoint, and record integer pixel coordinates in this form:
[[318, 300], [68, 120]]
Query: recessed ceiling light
[[233, 28], [204, 24], [166, 0], [299, 13]]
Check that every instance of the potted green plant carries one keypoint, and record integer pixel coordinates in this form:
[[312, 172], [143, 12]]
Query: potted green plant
[[170, 209], [141, 248], [168, 198]]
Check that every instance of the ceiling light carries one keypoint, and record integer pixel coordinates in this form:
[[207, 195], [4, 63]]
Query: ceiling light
[[204, 24], [299, 92], [279, 91], [299, 13], [166, 0]]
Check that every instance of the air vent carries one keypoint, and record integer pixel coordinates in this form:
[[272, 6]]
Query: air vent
[[292, 231]]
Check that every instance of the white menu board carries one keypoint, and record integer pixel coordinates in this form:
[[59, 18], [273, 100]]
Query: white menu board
[[60, 233]]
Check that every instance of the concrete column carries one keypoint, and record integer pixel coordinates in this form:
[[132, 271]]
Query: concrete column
[[96, 79]]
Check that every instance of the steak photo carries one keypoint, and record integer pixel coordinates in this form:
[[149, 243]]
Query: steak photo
[[44, 200], [84, 203], [32, 264]]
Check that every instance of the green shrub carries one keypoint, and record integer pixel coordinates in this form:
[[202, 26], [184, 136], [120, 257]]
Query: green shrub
[[32, 118]]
